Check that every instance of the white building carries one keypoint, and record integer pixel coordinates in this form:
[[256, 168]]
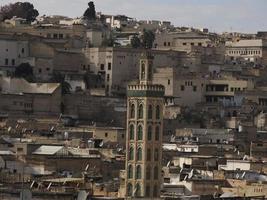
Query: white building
[[248, 50]]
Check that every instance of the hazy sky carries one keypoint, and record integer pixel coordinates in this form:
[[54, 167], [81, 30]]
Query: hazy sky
[[217, 15]]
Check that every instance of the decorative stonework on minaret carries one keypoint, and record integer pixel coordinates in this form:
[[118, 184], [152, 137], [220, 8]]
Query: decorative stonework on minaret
[[144, 134]]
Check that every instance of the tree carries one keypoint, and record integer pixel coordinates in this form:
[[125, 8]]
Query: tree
[[60, 78], [23, 10], [135, 42], [90, 12], [24, 70], [148, 38]]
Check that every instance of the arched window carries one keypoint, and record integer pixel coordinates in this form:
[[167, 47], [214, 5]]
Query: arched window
[[139, 154], [143, 70], [137, 190], [156, 155], [155, 191], [140, 111], [148, 155], [132, 111], [129, 189], [131, 132], [148, 171], [131, 153], [150, 112], [138, 174], [157, 131], [130, 171], [140, 133], [149, 133], [156, 173], [158, 112], [147, 191]]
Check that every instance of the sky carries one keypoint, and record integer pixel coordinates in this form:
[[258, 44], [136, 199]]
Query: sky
[[217, 15]]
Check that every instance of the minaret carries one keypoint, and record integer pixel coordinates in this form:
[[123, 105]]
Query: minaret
[[144, 134]]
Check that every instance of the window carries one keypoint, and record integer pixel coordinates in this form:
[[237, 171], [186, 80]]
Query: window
[[132, 112], [165, 44], [55, 36], [138, 172], [137, 190], [150, 112], [107, 77], [157, 132], [147, 191], [109, 66], [130, 171], [131, 132], [6, 61], [131, 153], [148, 170], [149, 133], [155, 191], [139, 154], [184, 44], [148, 155], [192, 44], [140, 111], [60, 36], [13, 62], [129, 189], [194, 88], [169, 44], [140, 132], [158, 112], [200, 44], [182, 87], [102, 67], [156, 172], [106, 134], [143, 68], [156, 155], [169, 81]]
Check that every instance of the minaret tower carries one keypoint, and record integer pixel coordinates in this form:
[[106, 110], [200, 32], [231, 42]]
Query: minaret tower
[[144, 134]]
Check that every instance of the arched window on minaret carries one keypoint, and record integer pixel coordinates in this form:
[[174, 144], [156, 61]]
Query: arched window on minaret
[[129, 189], [148, 171], [138, 172], [140, 132], [137, 190], [158, 112], [139, 154], [157, 133], [148, 155], [149, 133], [156, 173], [131, 153], [143, 71], [130, 171], [156, 154], [131, 132], [140, 111], [150, 112], [132, 111], [155, 191]]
